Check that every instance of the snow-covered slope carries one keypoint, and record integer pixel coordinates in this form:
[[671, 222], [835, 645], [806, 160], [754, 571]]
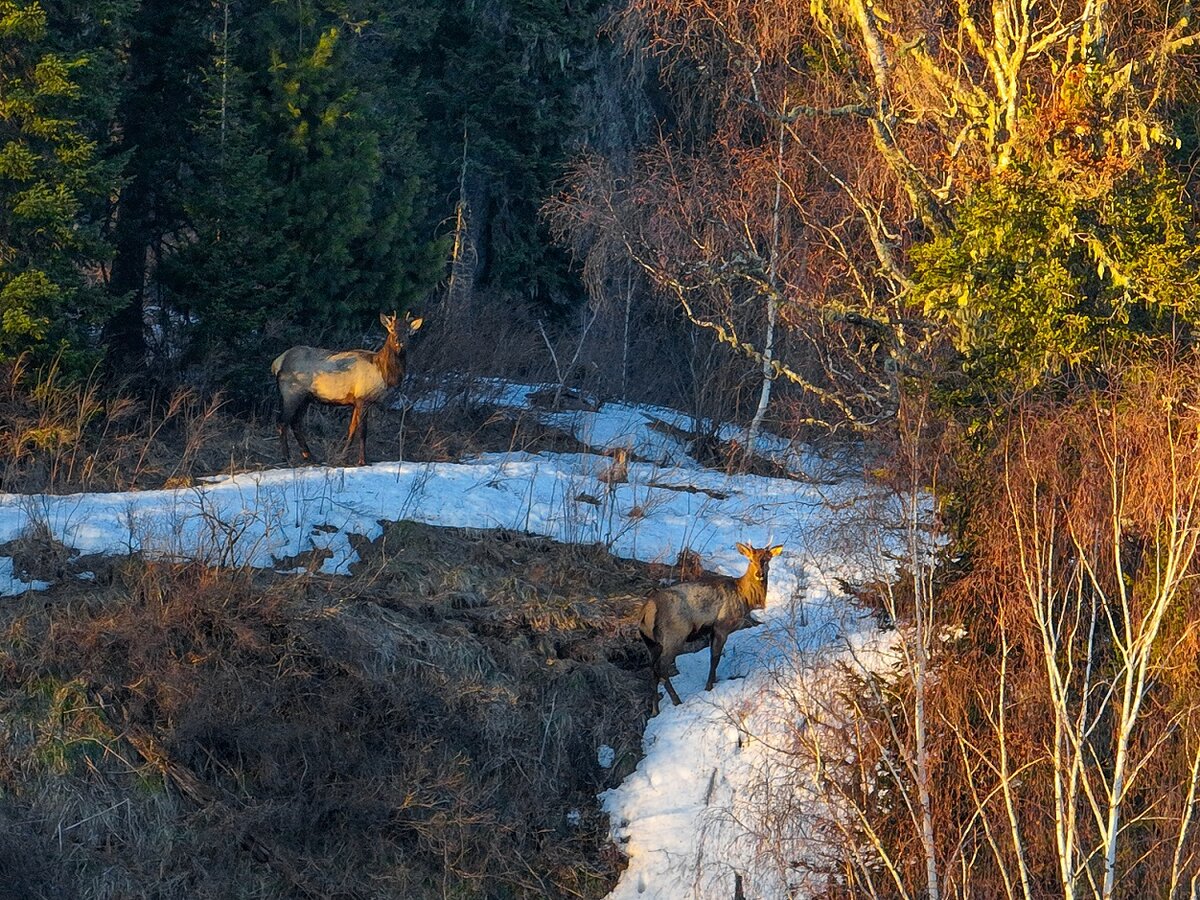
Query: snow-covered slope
[[682, 816]]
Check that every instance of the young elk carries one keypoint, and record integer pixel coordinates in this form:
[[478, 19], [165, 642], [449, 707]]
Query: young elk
[[716, 605], [354, 378]]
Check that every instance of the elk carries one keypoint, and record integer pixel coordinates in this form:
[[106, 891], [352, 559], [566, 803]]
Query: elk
[[716, 605], [354, 378]]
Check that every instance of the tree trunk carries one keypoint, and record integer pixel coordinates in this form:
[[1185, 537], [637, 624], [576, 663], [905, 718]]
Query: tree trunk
[[768, 354], [125, 332], [625, 335]]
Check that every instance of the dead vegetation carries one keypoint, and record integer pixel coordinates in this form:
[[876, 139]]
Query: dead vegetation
[[426, 728], [1036, 730], [60, 435]]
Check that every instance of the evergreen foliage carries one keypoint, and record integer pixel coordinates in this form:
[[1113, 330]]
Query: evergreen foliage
[[308, 209], [1042, 275], [226, 177], [506, 79], [195, 182], [55, 106], [165, 44], [1082, 250]]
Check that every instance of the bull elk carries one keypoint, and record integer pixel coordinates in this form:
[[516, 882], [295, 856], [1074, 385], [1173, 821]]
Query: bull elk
[[716, 605], [355, 378]]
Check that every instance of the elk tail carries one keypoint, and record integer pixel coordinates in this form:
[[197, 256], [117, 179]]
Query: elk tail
[[278, 364]]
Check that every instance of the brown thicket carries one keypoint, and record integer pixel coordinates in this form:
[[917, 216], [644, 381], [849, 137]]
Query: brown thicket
[[1038, 732], [1075, 723]]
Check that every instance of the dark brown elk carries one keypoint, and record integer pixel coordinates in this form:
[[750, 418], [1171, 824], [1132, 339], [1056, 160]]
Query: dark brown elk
[[715, 606], [354, 378]]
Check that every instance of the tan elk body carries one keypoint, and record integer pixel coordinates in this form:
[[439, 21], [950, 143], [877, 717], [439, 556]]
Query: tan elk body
[[716, 605], [355, 378]]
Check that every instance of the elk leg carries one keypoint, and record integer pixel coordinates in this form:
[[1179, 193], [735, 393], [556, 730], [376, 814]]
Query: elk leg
[[662, 669], [287, 415], [362, 438], [666, 680], [354, 417], [655, 652], [300, 441], [290, 415], [305, 453], [718, 644]]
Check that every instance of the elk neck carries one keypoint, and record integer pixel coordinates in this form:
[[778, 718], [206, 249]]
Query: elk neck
[[752, 587], [389, 359]]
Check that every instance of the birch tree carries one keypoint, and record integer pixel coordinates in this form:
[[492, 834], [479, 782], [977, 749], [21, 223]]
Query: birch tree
[[1100, 580], [1038, 732]]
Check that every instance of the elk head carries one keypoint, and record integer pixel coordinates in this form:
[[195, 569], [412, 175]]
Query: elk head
[[760, 562], [397, 331]]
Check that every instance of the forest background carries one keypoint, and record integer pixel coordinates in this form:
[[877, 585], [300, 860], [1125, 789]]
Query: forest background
[[188, 187], [981, 200]]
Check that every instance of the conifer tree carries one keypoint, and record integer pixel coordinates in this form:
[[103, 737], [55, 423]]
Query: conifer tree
[[306, 202], [160, 96], [55, 109], [506, 77]]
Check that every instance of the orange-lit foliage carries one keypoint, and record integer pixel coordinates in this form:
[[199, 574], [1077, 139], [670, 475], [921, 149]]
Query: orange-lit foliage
[[1081, 656]]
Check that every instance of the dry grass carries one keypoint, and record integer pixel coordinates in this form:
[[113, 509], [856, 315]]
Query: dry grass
[[425, 728], [58, 435], [65, 435]]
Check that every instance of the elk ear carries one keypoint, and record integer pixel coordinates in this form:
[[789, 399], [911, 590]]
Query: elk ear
[[745, 550], [415, 324], [383, 320], [776, 550]]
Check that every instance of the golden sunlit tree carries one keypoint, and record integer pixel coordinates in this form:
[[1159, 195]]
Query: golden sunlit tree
[[813, 145]]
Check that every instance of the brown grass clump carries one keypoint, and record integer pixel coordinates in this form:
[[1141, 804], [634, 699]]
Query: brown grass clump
[[59, 434], [427, 728]]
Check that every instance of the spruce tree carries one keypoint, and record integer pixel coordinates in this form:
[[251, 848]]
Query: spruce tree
[[306, 202], [507, 76], [56, 103], [160, 98]]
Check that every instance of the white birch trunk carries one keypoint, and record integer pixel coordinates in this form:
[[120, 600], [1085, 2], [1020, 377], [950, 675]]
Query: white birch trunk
[[768, 354]]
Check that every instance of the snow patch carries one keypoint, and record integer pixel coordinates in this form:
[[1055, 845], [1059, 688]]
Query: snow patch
[[606, 756], [11, 585]]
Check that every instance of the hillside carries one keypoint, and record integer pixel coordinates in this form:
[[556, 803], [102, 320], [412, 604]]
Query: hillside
[[431, 722], [277, 682]]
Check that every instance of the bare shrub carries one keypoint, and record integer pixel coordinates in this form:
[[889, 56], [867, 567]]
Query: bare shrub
[[1032, 728], [482, 337]]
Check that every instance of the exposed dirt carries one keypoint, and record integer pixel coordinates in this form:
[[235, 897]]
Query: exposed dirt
[[428, 727]]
